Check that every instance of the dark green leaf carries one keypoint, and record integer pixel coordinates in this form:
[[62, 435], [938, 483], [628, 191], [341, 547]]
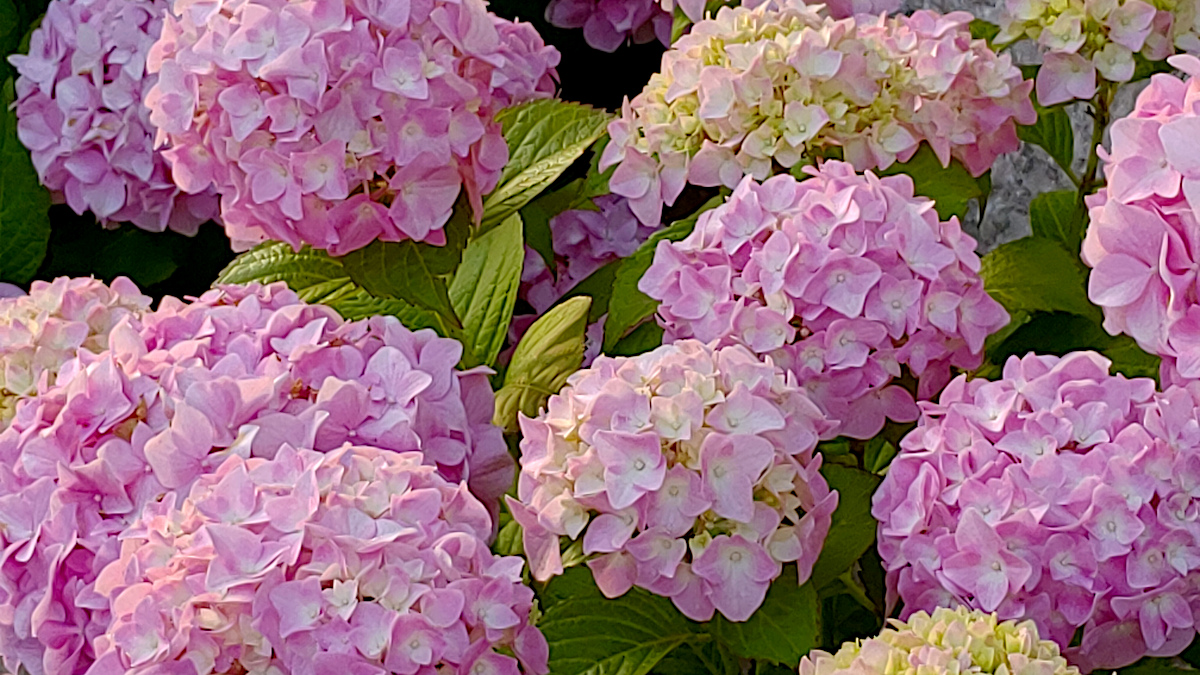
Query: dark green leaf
[[1144, 67], [699, 657], [598, 286], [544, 138], [951, 188], [783, 629], [1060, 333], [1052, 132], [24, 203], [403, 270], [1058, 215], [484, 289], [589, 634], [984, 30], [1158, 666], [853, 529], [629, 306], [548, 353], [1037, 274], [640, 340], [316, 277]]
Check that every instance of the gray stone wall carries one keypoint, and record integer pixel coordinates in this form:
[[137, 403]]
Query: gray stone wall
[[1018, 177]]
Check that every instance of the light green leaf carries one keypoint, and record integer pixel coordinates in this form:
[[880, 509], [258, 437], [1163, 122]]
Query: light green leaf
[[1053, 133], [24, 203], [984, 30], [785, 628], [589, 634], [316, 277], [544, 138], [1059, 215], [1037, 274], [951, 188], [628, 306], [405, 270], [548, 353], [853, 529], [485, 286]]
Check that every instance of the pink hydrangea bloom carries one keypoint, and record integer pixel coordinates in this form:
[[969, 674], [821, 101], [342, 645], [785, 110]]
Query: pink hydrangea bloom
[[1060, 494], [1087, 40], [43, 330], [338, 122], [688, 471], [752, 90], [843, 278], [80, 113], [238, 371], [357, 561], [1141, 241], [608, 24]]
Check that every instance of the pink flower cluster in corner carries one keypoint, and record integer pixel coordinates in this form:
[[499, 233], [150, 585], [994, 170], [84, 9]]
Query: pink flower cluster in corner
[[239, 371], [842, 278], [356, 561], [1141, 241], [45, 329], [755, 90], [688, 471], [337, 122], [80, 113], [1059, 494], [1089, 39]]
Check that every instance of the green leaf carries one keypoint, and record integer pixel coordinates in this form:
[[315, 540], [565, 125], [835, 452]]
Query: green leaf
[[484, 289], [1037, 274], [1058, 215], [783, 629], [951, 188], [1052, 132], [405, 270], [984, 30], [853, 528], [1060, 333], [316, 277], [629, 306], [640, 340], [598, 286], [589, 634], [697, 657], [544, 138], [548, 353], [24, 203]]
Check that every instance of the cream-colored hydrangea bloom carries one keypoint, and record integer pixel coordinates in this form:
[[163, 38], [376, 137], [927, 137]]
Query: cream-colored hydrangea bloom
[[951, 642]]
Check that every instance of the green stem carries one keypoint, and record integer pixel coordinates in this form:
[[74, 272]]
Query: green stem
[[1100, 116]]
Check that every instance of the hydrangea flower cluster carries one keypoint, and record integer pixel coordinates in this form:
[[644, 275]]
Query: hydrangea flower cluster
[[357, 561], [239, 371], [608, 24], [1144, 222], [80, 113], [1059, 494], [948, 641], [41, 331], [338, 122], [688, 471], [753, 90], [1085, 39], [843, 278]]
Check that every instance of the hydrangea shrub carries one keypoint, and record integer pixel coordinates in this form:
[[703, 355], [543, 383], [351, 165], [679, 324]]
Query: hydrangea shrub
[[842, 278], [240, 371], [782, 84], [80, 112], [360, 560], [689, 471], [948, 640], [335, 123], [1058, 493]]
